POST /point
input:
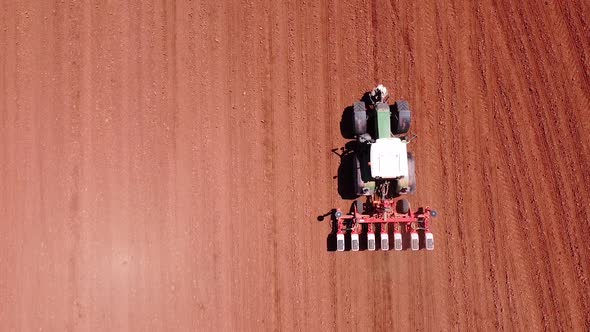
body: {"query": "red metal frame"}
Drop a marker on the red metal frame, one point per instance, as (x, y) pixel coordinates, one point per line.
(383, 213)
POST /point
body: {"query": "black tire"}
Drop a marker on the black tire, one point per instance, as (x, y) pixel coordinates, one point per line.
(360, 118)
(411, 174)
(402, 117)
(358, 182)
(360, 179)
(360, 208)
(402, 206)
(402, 105)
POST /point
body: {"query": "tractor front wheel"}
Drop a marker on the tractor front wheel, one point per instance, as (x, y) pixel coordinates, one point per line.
(360, 118)
(401, 117)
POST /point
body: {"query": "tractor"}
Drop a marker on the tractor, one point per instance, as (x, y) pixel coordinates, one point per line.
(384, 173)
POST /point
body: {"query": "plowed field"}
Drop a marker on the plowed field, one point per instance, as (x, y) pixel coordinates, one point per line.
(163, 164)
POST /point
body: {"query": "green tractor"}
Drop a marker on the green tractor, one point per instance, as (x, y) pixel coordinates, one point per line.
(381, 158)
(384, 173)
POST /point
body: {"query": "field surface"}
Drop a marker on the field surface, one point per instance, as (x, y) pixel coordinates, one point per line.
(163, 164)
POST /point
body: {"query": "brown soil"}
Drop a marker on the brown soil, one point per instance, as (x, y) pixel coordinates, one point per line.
(162, 165)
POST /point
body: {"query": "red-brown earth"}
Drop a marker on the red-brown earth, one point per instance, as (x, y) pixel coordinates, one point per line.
(163, 164)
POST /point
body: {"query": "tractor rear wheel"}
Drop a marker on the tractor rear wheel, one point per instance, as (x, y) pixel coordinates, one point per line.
(360, 118)
(402, 206)
(360, 207)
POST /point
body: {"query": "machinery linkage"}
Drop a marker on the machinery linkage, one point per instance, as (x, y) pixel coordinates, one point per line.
(382, 218)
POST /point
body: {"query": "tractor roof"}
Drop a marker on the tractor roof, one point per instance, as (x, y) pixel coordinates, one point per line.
(389, 158)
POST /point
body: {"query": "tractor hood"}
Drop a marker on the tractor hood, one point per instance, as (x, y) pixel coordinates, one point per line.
(389, 158)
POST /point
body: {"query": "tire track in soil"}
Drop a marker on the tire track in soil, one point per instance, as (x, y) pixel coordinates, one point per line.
(502, 175)
(572, 69)
(331, 62)
(249, 76)
(493, 174)
(11, 167)
(571, 237)
(512, 179)
(193, 144)
(453, 217)
(282, 152)
(270, 151)
(471, 98)
(64, 79)
(424, 103)
(316, 278)
(300, 28)
(536, 208)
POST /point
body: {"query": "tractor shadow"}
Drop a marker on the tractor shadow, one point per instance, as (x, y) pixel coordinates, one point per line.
(347, 123)
(346, 170)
